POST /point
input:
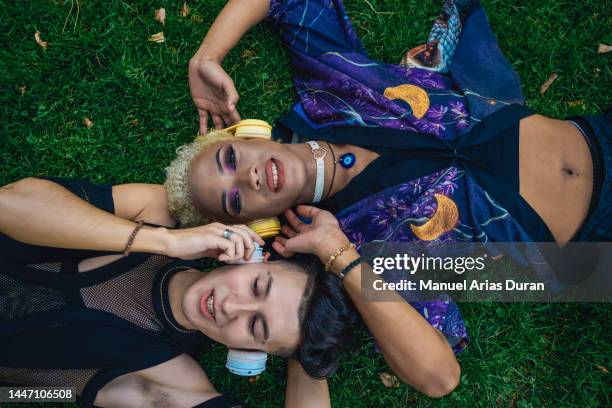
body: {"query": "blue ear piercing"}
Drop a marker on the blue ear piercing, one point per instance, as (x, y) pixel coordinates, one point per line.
(347, 160)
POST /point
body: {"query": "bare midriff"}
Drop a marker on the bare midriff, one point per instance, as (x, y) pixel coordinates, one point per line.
(556, 173)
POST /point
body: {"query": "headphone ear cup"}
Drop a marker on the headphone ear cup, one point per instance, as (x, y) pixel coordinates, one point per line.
(252, 129)
(246, 363)
(266, 227)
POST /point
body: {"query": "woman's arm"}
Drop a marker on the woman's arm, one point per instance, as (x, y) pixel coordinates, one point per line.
(212, 90)
(41, 212)
(417, 353)
(146, 202)
(303, 391)
(236, 18)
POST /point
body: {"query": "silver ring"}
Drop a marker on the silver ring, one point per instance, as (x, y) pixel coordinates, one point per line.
(227, 233)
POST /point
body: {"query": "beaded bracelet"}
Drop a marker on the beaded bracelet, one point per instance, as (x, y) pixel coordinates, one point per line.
(336, 254)
(128, 246)
(349, 268)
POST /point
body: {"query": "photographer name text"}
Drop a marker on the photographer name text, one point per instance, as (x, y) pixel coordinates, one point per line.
(474, 285)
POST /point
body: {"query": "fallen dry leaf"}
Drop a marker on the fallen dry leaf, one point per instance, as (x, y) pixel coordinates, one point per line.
(39, 40)
(134, 122)
(513, 400)
(158, 38)
(253, 379)
(87, 122)
(389, 380)
(548, 83)
(603, 48)
(160, 15)
(22, 89)
(247, 54)
(602, 369)
(197, 19)
(573, 104)
(185, 10)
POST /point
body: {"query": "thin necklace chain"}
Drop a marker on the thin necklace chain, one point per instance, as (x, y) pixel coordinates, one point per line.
(331, 184)
(161, 289)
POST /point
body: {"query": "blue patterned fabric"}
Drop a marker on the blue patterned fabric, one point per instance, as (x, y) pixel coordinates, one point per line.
(442, 89)
(340, 87)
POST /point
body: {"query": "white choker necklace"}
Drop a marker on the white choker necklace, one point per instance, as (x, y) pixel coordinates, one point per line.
(318, 154)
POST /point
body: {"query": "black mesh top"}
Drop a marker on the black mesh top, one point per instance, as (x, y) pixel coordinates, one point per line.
(81, 330)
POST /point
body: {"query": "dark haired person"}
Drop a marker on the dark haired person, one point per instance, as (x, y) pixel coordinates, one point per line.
(125, 330)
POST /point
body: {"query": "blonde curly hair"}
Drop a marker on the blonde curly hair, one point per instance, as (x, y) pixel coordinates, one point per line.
(178, 178)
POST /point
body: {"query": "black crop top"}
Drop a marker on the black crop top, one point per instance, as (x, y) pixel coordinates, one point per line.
(59, 327)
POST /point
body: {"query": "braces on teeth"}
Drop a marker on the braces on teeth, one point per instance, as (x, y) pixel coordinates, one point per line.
(209, 305)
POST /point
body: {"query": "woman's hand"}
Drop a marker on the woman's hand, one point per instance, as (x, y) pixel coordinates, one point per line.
(207, 240)
(322, 237)
(213, 92)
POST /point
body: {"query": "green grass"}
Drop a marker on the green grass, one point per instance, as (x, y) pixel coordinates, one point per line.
(101, 66)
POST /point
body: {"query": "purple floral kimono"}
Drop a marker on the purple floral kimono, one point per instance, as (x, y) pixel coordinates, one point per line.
(442, 89)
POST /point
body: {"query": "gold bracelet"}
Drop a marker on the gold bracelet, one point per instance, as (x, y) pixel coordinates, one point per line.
(128, 246)
(336, 254)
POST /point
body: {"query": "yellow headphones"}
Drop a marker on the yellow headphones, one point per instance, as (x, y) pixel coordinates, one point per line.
(266, 227)
(251, 129)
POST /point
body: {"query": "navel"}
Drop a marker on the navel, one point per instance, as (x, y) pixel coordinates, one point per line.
(569, 172)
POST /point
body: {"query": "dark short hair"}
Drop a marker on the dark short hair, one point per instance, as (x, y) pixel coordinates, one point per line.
(327, 320)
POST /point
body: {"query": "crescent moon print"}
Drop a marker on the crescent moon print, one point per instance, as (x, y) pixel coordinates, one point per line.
(444, 219)
(414, 96)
